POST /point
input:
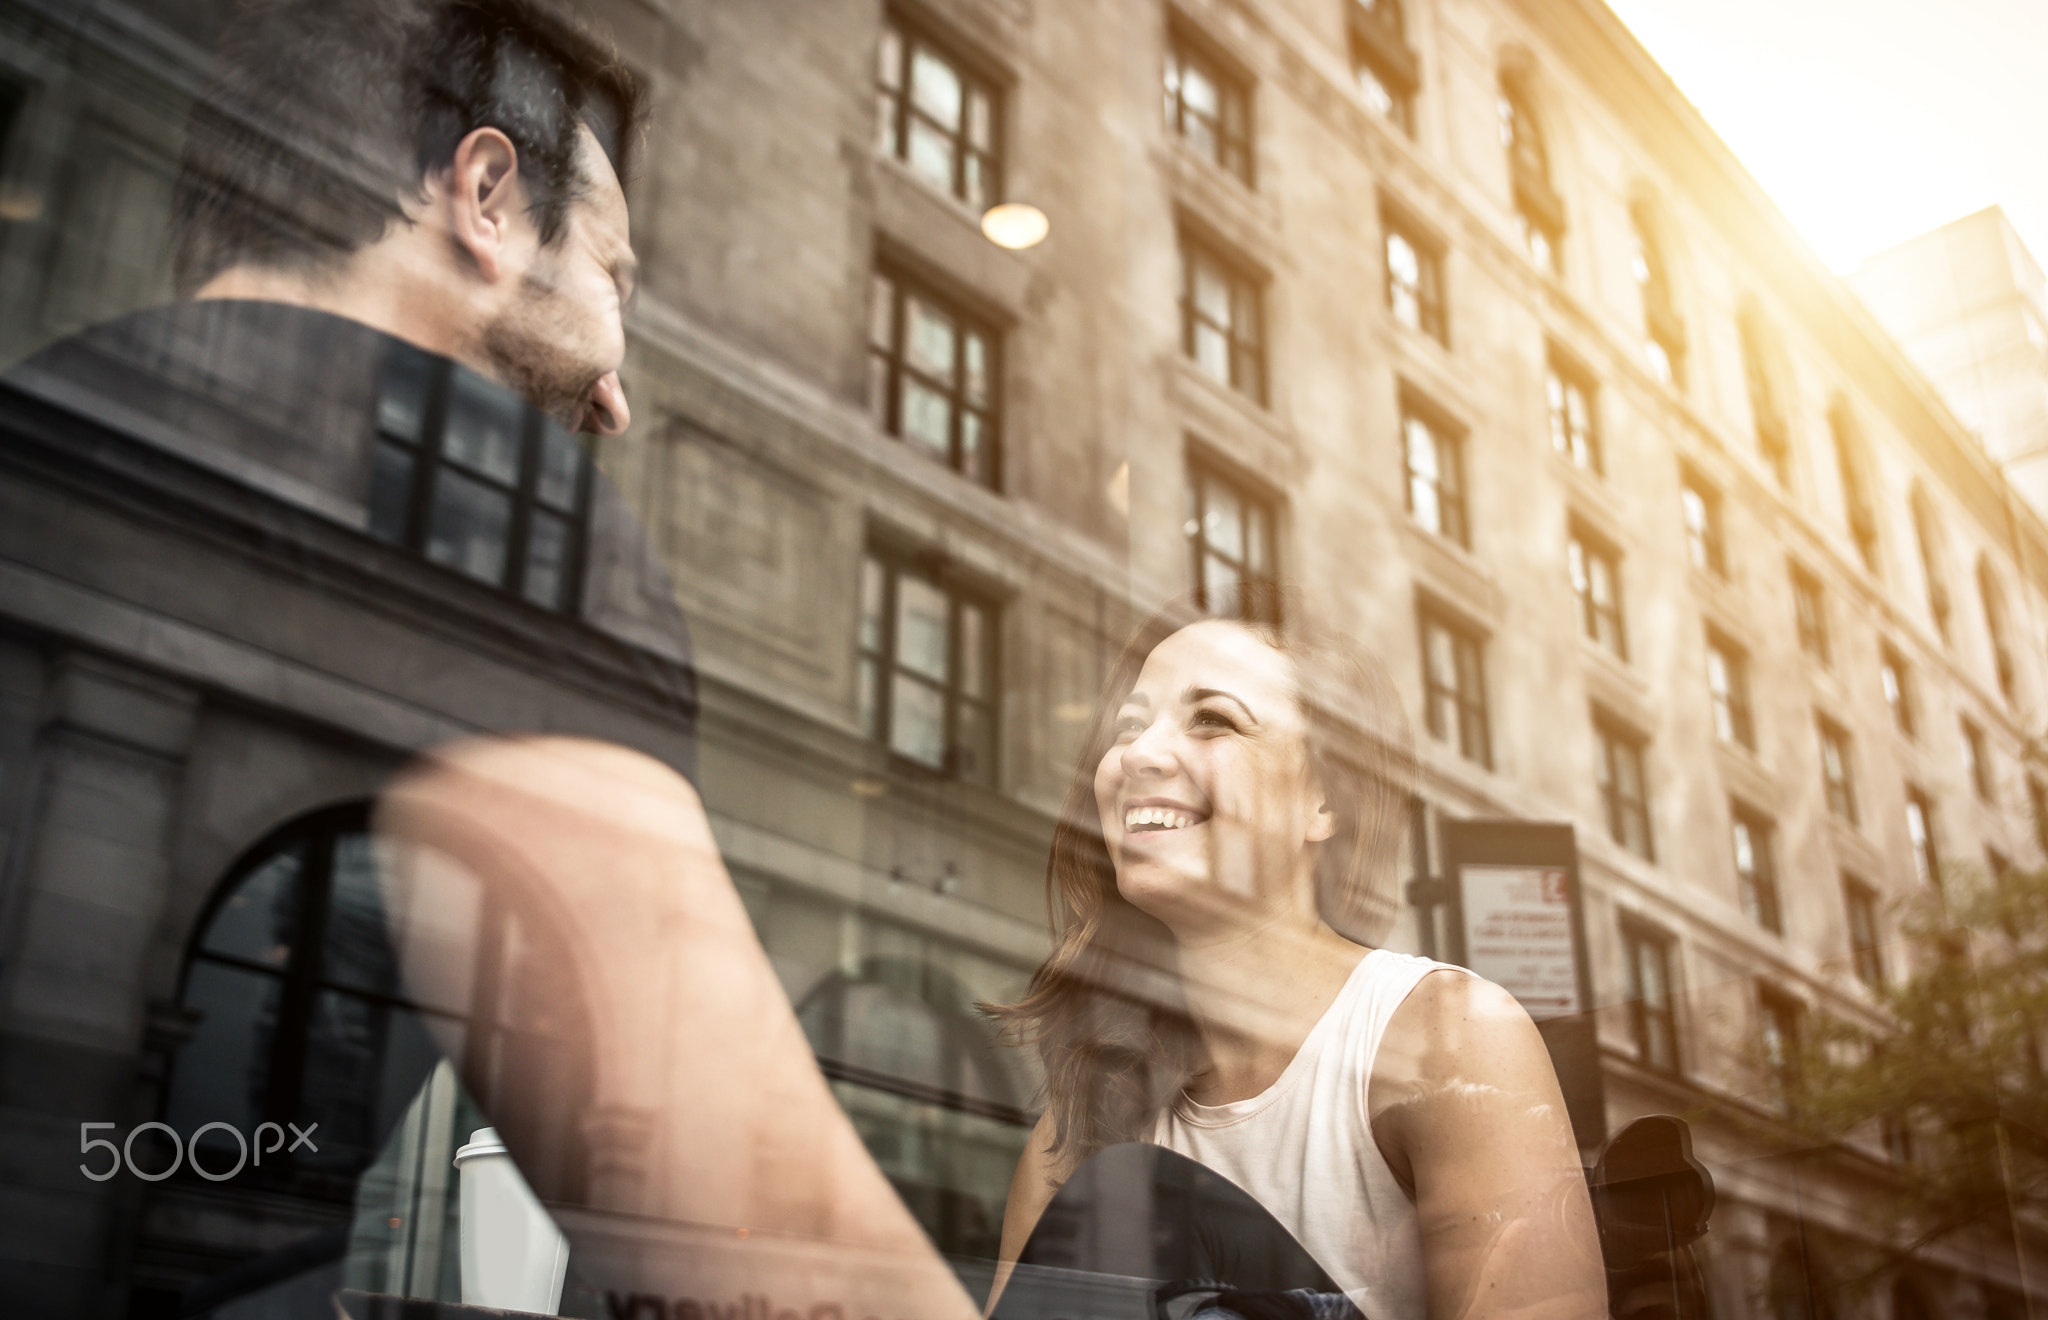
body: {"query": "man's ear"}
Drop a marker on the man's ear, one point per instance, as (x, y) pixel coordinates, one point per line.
(487, 201)
(1322, 826)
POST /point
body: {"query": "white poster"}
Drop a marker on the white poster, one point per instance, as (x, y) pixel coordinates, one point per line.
(1518, 934)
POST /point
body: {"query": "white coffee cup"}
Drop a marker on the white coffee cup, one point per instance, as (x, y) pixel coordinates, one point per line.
(513, 1256)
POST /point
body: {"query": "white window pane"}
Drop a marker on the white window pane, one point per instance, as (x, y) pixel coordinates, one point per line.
(934, 341)
(484, 425)
(931, 155)
(1223, 520)
(921, 628)
(935, 88)
(927, 417)
(469, 528)
(873, 588)
(1212, 352)
(917, 722)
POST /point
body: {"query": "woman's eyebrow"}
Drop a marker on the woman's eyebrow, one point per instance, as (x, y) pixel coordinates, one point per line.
(1193, 695)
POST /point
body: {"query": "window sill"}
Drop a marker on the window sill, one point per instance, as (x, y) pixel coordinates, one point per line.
(1246, 432)
(1453, 574)
(1747, 778)
(932, 231)
(1615, 686)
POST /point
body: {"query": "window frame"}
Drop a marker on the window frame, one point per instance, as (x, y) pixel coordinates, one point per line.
(1613, 741)
(1779, 1017)
(408, 504)
(1233, 154)
(1838, 780)
(1539, 213)
(1977, 760)
(1810, 613)
(1921, 843)
(1850, 471)
(891, 372)
(896, 109)
(1707, 540)
(1766, 408)
(1588, 557)
(1866, 953)
(1447, 442)
(1584, 448)
(1427, 296)
(1257, 598)
(1734, 701)
(1380, 52)
(1756, 886)
(1662, 327)
(1245, 291)
(1895, 681)
(878, 666)
(1642, 943)
(1465, 694)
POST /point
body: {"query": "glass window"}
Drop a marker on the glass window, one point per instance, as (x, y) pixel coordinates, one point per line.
(477, 480)
(1568, 397)
(1219, 317)
(1779, 1029)
(1927, 537)
(932, 373)
(1208, 109)
(1539, 218)
(1619, 764)
(1381, 62)
(1993, 600)
(926, 665)
(1898, 692)
(1663, 332)
(1809, 612)
(1436, 477)
(1920, 838)
(1454, 689)
(1230, 532)
(1701, 506)
(1835, 772)
(1977, 761)
(1773, 439)
(1651, 1009)
(1755, 880)
(936, 115)
(1414, 281)
(1728, 686)
(1849, 469)
(1864, 951)
(1596, 581)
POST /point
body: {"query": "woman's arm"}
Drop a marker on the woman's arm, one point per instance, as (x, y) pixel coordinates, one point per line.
(1032, 1187)
(1466, 1108)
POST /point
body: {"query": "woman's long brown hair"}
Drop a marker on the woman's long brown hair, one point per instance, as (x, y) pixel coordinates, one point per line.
(1106, 1010)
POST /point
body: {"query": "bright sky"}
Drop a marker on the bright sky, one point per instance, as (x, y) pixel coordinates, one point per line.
(1869, 121)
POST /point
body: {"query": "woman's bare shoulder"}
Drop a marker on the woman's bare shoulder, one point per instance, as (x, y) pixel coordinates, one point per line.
(1456, 1030)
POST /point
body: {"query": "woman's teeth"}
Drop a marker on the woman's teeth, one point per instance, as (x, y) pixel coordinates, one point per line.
(1156, 818)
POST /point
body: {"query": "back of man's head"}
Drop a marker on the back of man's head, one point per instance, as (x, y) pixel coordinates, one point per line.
(324, 117)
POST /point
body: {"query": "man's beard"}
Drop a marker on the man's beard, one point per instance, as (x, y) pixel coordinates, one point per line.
(522, 344)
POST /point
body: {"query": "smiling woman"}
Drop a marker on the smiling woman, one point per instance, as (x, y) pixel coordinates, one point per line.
(1222, 871)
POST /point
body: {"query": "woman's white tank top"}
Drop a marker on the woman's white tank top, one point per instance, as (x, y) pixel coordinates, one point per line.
(1304, 1148)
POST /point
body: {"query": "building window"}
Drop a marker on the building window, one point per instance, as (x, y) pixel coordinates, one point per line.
(1756, 883)
(1809, 612)
(1927, 537)
(1850, 468)
(2037, 803)
(1652, 1012)
(1920, 837)
(932, 371)
(1977, 761)
(936, 115)
(1596, 581)
(1619, 762)
(927, 669)
(1701, 506)
(1415, 280)
(1993, 599)
(1219, 319)
(1728, 686)
(1835, 774)
(303, 1016)
(1382, 63)
(1454, 686)
(1779, 1023)
(476, 479)
(1539, 214)
(1435, 457)
(1208, 108)
(1230, 533)
(1864, 952)
(1774, 440)
(1663, 332)
(1569, 396)
(1898, 690)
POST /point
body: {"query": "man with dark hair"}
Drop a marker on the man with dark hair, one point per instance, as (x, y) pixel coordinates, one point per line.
(447, 173)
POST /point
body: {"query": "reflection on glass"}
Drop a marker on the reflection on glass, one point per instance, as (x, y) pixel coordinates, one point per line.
(483, 429)
(222, 1073)
(471, 522)
(917, 723)
(259, 920)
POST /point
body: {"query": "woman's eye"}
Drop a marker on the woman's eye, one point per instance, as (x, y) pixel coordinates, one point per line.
(1210, 719)
(1130, 726)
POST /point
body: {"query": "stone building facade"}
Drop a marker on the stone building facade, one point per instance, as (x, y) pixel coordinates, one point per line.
(1451, 312)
